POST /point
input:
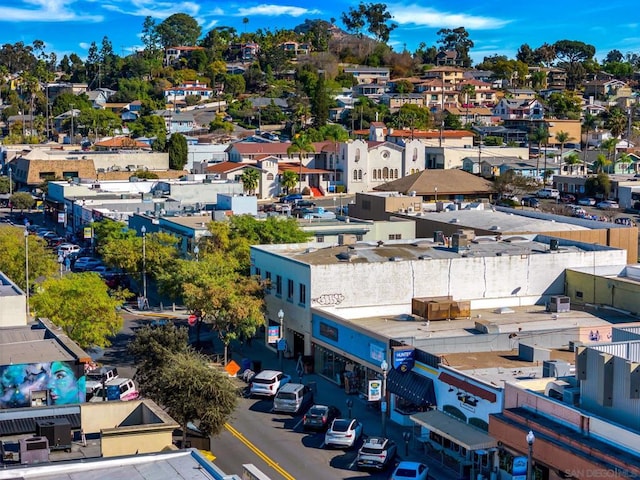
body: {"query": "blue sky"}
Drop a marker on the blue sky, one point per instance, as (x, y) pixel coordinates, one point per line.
(68, 26)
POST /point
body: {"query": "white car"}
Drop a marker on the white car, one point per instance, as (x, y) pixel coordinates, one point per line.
(267, 383)
(410, 471)
(607, 205)
(587, 201)
(343, 433)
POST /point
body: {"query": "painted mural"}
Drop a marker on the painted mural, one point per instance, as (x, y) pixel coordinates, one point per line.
(38, 384)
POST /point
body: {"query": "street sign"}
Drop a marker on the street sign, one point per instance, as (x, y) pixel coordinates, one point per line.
(273, 334)
(192, 319)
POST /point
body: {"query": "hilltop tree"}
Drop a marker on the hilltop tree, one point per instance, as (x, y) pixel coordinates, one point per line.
(320, 103)
(374, 16)
(457, 39)
(177, 30)
(573, 55)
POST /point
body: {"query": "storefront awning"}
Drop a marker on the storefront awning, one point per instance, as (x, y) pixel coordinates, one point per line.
(411, 386)
(458, 432)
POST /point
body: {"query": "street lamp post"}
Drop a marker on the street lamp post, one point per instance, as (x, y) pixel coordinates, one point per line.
(143, 230)
(531, 438)
(26, 267)
(280, 347)
(72, 115)
(384, 366)
(92, 237)
(10, 181)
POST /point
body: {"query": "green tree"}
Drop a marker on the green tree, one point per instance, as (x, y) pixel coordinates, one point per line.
(182, 381)
(566, 104)
(540, 136)
(250, 179)
(80, 304)
(589, 123)
(457, 39)
(571, 160)
(562, 138)
(178, 30)
(626, 160)
(572, 55)
(602, 163)
(289, 180)
(320, 103)
(514, 184)
(5, 184)
(598, 185)
(300, 145)
(452, 122)
(22, 201)
(616, 121)
(12, 261)
(178, 151)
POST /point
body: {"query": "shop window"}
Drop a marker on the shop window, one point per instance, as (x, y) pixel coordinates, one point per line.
(303, 294)
(267, 277)
(258, 273)
(278, 285)
(289, 289)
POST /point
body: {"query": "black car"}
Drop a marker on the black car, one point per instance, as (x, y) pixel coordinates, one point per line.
(304, 204)
(530, 202)
(319, 417)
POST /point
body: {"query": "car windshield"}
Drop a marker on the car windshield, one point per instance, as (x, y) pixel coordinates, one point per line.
(405, 472)
(317, 411)
(341, 425)
(372, 450)
(264, 381)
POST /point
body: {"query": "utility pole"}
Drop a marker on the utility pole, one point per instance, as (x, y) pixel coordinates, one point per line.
(441, 114)
(72, 115)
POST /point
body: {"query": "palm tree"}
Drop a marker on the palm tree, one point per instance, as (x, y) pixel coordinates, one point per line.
(250, 178)
(571, 160)
(562, 138)
(540, 135)
(609, 146)
(602, 163)
(300, 145)
(589, 123)
(467, 90)
(288, 180)
(625, 159)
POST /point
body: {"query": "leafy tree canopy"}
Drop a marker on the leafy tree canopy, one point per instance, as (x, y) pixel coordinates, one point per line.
(178, 151)
(12, 261)
(80, 304)
(178, 30)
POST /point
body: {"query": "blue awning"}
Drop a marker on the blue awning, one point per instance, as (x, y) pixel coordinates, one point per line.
(412, 387)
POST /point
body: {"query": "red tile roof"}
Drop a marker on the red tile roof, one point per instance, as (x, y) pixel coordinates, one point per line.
(122, 142)
(225, 167)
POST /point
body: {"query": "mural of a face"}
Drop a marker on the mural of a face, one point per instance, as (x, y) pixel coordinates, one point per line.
(64, 387)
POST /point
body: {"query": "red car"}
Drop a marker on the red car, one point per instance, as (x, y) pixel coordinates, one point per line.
(567, 198)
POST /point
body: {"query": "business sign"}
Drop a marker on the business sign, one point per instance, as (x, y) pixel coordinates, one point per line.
(88, 232)
(60, 217)
(273, 334)
(376, 353)
(403, 358)
(375, 390)
(519, 470)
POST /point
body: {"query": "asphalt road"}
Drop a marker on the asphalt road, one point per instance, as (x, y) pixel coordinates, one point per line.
(296, 454)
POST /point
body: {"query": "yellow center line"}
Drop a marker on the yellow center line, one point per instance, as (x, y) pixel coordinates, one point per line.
(258, 452)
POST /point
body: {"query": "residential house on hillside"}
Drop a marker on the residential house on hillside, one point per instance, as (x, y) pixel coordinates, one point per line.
(521, 93)
(100, 96)
(194, 89)
(449, 57)
(295, 48)
(369, 75)
(436, 94)
(508, 135)
(173, 54)
(606, 89)
(510, 109)
(483, 93)
(120, 143)
(396, 100)
(378, 132)
(446, 75)
(177, 122)
(472, 115)
(555, 78)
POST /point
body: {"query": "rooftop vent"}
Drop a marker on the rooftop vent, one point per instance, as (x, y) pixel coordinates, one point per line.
(395, 259)
(494, 227)
(503, 310)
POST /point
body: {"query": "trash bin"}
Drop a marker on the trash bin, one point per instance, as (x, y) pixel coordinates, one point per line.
(257, 366)
(245, 364)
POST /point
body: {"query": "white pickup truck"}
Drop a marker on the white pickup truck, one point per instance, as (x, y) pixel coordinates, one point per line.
(95, 377)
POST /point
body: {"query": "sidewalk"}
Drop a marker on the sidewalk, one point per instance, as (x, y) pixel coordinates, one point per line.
(331, 394)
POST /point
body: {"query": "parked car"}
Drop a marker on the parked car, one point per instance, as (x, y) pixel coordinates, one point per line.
(116, 389)
(548, 193)
(319, 417)
(376, 453)
(607, 205)
(65, 249)
(304, 204)
(292, 398)
(268, 382)
(291, 198)
(343, 433)
(577, 211)
(84, 264)
(410, 471)
(95, 378)
(530, 202)
(587, 201)
(567, 197)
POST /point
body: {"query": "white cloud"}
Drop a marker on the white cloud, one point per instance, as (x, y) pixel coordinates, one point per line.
(84, 45)
(146, 8)
(276, 11)
(45, 11)
(429, 17)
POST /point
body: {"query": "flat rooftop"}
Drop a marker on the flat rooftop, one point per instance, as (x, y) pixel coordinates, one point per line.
(177, 465)
(36, 351)
(423, 249)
